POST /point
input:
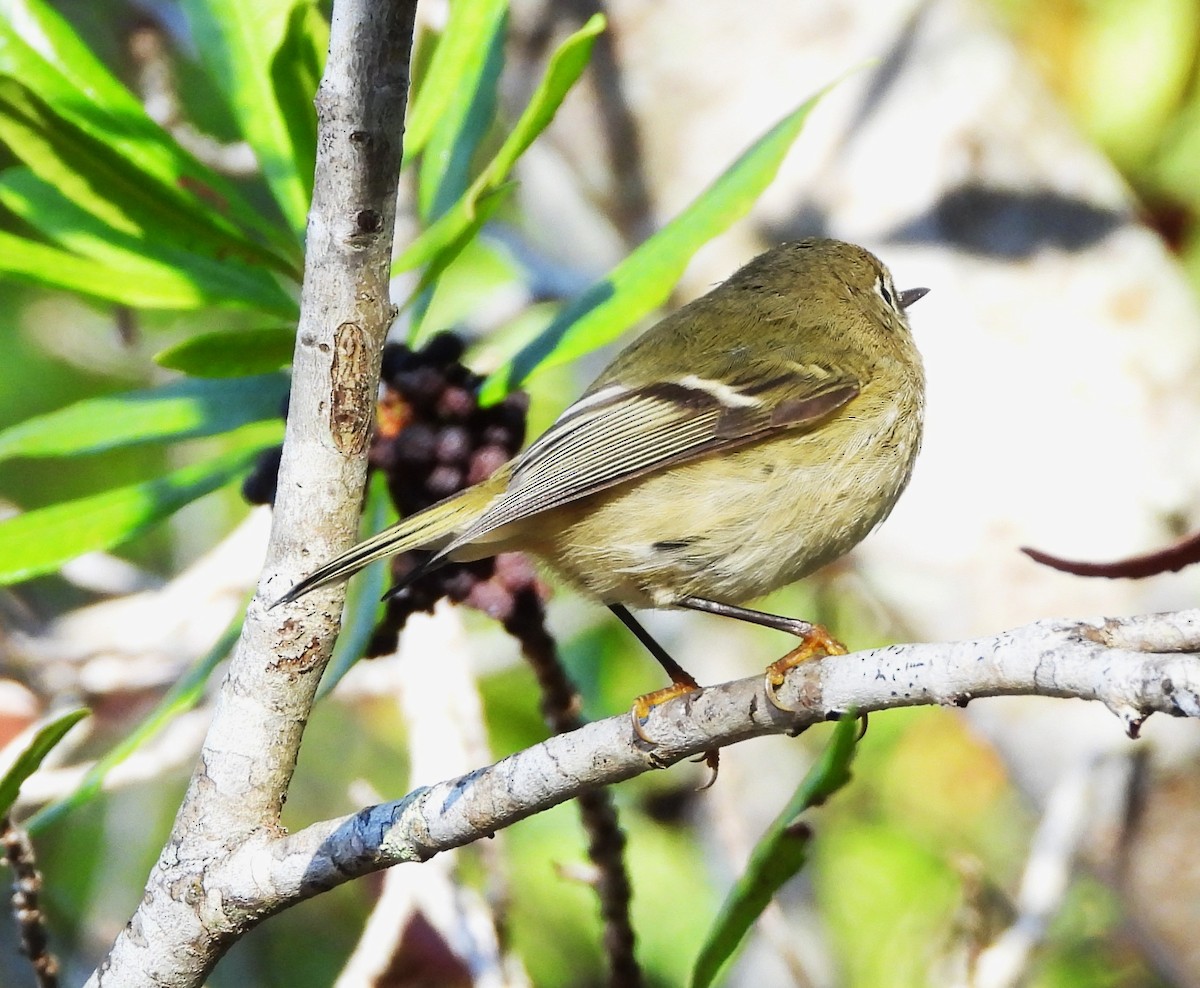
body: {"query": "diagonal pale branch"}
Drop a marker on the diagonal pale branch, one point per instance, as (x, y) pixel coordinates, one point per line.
(1136, 666)
(187, 919)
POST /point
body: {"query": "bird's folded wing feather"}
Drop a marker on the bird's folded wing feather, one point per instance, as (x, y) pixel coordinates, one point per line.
(616, 433)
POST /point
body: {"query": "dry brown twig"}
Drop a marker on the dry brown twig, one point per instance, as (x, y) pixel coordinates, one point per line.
(27, 887)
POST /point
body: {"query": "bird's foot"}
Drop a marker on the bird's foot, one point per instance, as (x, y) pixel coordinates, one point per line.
(814, 643)
(640, 713)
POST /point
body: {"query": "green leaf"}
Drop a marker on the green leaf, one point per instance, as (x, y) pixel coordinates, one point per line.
(64, 115)
(437, 243)
(186, 280)
(642, 282)
(41, 541)
(27, 762)
(295, 75)
(239, 43)
(445, 168)
(778, 856)
(470, 29)
(182, 697)
(449, 252)
(37, 264)
(180, 410)
(234, 353)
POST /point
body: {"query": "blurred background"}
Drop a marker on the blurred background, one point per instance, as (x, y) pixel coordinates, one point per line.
(1036, 165)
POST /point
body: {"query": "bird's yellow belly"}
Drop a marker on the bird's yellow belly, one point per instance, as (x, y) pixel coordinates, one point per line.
(729, 534)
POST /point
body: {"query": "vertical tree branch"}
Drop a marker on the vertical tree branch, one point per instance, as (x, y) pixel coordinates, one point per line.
(185, 921)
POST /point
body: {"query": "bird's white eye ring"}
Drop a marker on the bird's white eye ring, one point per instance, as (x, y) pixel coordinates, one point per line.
(885, 291)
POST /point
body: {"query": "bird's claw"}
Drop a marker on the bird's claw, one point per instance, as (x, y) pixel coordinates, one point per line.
(817, 643)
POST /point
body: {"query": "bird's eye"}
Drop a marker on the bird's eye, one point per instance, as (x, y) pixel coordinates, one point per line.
(885, 291)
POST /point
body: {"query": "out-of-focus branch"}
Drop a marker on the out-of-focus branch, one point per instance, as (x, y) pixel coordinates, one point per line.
(1136, 666)
(1056, 845)
(597, 809)
(188, 916)
(156, 82)
(433, 925)
(27, 888)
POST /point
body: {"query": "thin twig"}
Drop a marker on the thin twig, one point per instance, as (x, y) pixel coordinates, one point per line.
(27, 887)
(156, 84)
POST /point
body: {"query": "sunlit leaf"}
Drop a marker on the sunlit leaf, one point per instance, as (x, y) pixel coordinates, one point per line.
(777, 857)
(41, 541)
(180, 410)
(64, 115)
(641, 282)
(233, 353)
(33, 263)
(295, 74)
(238, 43)
(456, 224)
(466, 116)
(449, 251)
(470, 30)
(189, 280)
(26, 763)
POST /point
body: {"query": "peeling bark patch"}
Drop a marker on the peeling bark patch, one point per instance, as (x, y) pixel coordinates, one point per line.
(350, 413)
(308, 659)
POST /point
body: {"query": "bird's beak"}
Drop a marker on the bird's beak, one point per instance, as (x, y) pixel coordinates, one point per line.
(910, 295)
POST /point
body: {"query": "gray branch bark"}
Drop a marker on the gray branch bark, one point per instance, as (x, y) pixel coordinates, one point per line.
(188, 918)
(1135, 666)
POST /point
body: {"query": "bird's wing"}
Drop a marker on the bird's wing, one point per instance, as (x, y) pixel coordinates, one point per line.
(616, 433)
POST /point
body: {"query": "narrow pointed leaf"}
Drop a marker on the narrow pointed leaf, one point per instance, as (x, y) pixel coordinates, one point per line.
(32, 263)
(238, 44)
(195, 281)
(469, 31)
(563, 71)
(642, 282)
(295, 74)
(235, 353)
(445, 167)
(40, 745)
(777, 857)
(65, 116)
(185, 409)
(40, 541)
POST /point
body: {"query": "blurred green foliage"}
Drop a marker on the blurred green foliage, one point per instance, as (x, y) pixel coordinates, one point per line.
(1129, 74)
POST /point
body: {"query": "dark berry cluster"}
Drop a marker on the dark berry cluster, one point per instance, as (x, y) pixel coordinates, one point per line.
(432, 439)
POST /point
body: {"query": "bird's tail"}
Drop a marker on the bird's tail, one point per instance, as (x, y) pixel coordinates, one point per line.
(429, 528)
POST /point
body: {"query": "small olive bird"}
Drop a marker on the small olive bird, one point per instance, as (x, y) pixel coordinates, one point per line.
(749, 438)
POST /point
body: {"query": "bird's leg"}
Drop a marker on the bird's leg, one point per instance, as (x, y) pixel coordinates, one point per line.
(815, 641)
(681, 682)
